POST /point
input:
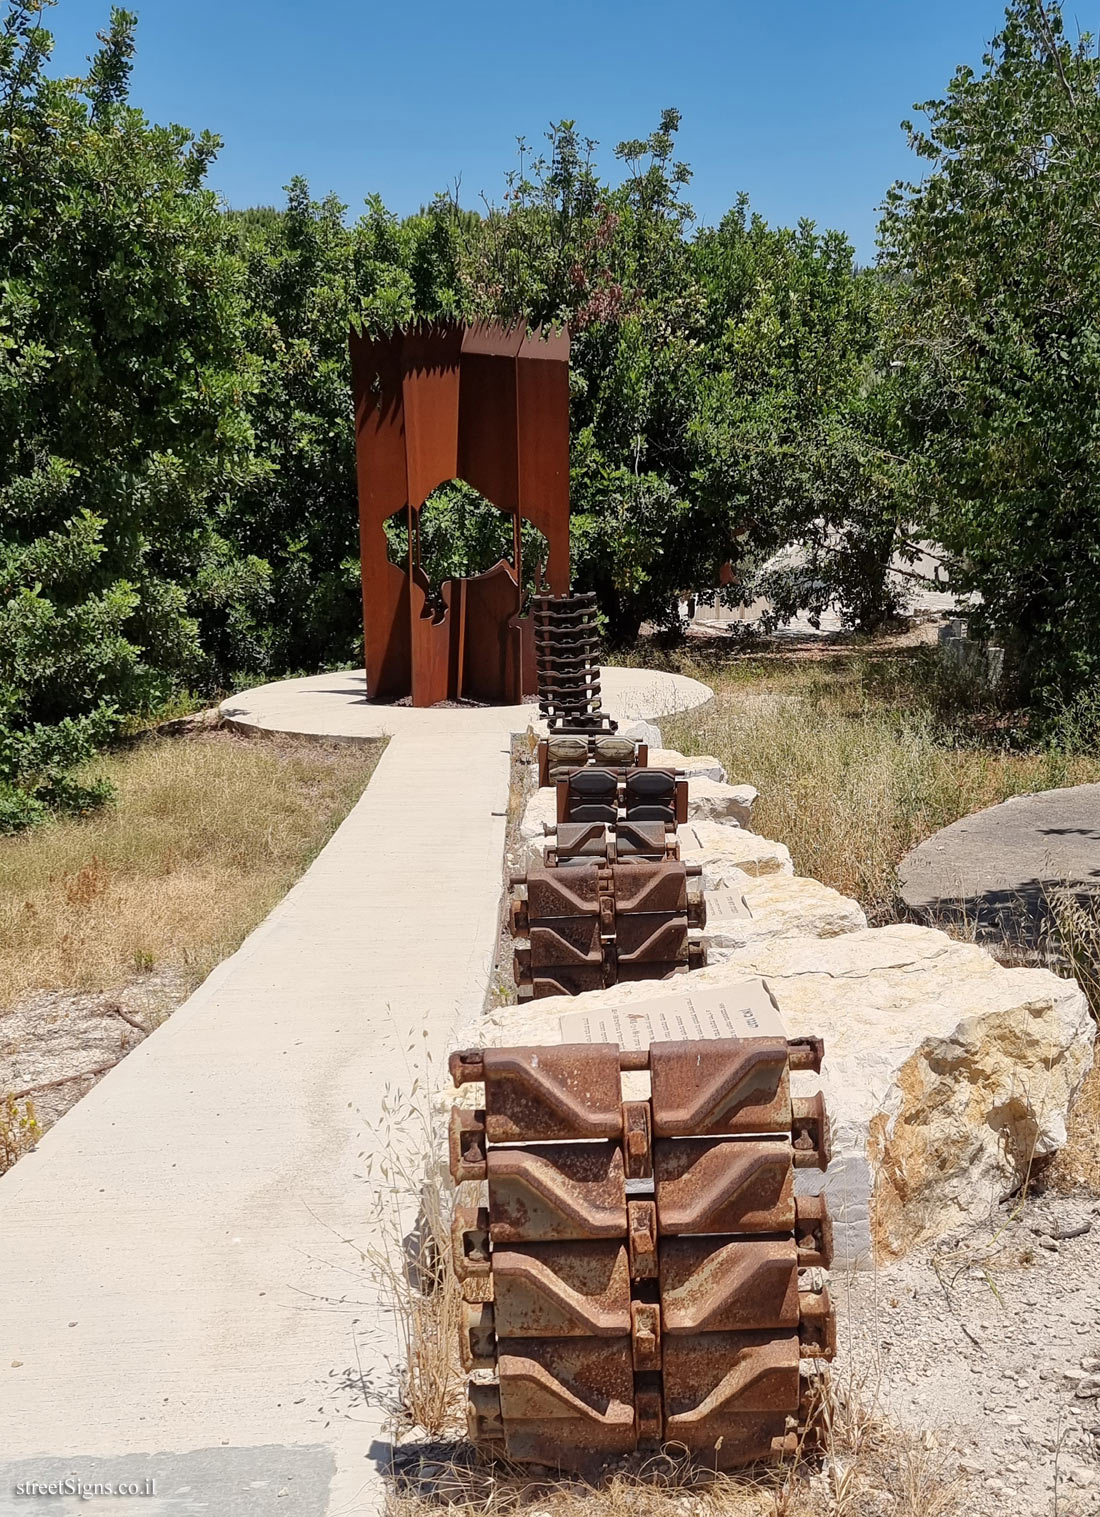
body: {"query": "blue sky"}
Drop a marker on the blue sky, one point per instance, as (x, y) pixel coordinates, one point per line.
(797, 103)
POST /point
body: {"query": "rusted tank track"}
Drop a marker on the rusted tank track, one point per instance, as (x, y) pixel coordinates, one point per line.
(567, 661)
(611, 900)
(585, 920)
(563, 752)
(644, 1272)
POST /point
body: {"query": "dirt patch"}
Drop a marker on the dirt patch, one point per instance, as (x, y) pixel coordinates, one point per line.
(986, 1347)
(1077, 1164)
(55, 1044)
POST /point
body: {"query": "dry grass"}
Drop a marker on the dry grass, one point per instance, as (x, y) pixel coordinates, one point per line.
(207, 834)
(413, 1202)
(1075, 941)
(852, 764)
(892, 1475)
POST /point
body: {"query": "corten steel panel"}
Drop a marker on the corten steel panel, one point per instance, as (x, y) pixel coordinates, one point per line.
(731, 1185)
(715, 1382)
(432, 404)
(561, 1290)
(430, 396)
(556, 1192)
(539, 1095)
(490, 657)
(527, 658)
(542, 415)
(430, 641)
(565, 1399)
(489, 440)
(382, 479)
(728, 1085)
(715, 1285)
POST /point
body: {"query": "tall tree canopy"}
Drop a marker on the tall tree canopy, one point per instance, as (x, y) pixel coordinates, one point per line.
(997, 251)
(123, 409)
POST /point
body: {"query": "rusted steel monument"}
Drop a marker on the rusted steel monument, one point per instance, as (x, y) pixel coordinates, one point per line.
(488, 405)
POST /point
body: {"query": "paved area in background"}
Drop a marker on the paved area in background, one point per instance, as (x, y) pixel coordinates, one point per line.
(182, 1298)
(997, 868)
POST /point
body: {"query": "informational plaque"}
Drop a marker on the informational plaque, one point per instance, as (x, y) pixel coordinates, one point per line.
(744, 1010)
(726, 903)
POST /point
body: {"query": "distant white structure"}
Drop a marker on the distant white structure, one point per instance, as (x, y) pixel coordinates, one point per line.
(919, 599)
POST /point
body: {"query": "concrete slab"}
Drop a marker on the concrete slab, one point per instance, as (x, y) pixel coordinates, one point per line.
(182, 1294)
(336, 706)
(997, 869)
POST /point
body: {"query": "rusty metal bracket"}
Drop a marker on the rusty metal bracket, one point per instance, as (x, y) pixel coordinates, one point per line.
(645, 1334)
(642, 1239)
(466, 1144)
(470, 1242)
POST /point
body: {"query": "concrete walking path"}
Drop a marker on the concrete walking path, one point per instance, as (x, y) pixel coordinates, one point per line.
(178, 1303)
(336, 705)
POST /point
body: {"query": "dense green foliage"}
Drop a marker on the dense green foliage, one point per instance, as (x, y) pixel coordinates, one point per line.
(177, 488)
(123, 412)
(999, 249)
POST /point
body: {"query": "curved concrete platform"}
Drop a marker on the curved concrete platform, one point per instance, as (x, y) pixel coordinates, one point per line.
(336, 706)
(997, 869)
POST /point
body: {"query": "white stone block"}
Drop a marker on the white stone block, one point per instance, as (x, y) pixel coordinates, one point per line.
(704, 764)
(778, 905)
(711, 801)
(726, 852)
(945, 1076)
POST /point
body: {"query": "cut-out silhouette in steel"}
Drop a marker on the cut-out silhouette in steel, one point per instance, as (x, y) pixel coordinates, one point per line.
(488, 405)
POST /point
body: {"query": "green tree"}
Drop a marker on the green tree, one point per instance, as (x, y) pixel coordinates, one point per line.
(728, 395)
(123, 423)
(613, 262)
(308, 275)
(998, 252)
(797, 416)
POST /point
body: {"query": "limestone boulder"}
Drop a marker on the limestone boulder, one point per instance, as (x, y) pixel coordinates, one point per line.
(704, 764)
(540, 812)
(946, 1075)
(641, 732)
(712, 801)
(728, 852)
(776, 905)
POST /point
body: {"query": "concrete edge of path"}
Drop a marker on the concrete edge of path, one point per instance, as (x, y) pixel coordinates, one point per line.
(334, 707)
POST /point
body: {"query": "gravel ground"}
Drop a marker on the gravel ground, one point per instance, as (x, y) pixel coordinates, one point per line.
(58, 1043)
(990, 1344)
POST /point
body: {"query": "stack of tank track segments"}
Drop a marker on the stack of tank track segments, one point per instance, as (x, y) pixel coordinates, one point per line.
(611, 900)
(567, 660)
(641, 1274)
